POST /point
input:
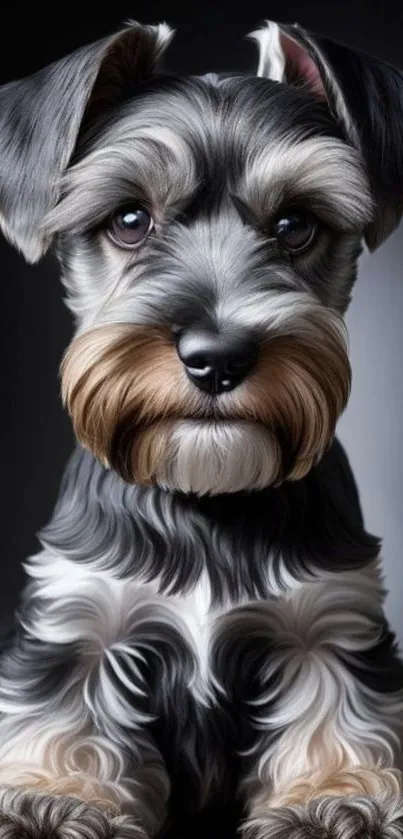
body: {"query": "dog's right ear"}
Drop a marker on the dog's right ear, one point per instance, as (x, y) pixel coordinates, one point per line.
(41, 116)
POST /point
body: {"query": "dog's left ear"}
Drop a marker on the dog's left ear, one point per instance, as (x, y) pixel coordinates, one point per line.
(41, 117)
(364, 94)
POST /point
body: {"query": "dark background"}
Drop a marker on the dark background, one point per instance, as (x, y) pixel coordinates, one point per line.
(35, 328)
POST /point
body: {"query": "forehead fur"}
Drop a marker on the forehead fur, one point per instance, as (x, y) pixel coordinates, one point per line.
(267, 142)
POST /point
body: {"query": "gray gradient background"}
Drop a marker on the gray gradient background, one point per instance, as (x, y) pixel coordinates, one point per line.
(371, 428)
(36, 437)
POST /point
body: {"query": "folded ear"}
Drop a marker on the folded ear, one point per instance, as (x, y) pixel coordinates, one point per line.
(364, 94)
(41, 116)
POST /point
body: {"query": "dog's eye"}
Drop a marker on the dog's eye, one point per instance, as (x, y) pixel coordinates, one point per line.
(295, 230)
(130, 225)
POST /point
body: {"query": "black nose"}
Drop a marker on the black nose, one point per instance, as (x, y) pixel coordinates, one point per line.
(214, 362)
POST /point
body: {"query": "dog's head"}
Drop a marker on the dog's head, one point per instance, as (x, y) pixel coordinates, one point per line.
(208, 231)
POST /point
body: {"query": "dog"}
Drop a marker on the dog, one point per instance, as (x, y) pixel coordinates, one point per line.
(204, 623)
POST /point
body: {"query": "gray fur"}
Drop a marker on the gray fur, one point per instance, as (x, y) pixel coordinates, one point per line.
(26, 815)
(163, 634)
(41, 118)
(363, 92)
(195, 262)
(354, 817)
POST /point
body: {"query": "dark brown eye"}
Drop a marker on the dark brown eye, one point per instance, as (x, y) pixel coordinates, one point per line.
(295, 230)
(130, 225)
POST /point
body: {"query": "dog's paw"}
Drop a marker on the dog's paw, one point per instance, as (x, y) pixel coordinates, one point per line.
(330, 817)
(31, 815)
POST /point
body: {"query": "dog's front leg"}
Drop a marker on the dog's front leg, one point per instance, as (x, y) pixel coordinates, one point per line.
(75, 755)
(326, 715)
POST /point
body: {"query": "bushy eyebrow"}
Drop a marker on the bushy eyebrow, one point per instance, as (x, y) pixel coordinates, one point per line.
(321, 173)
(157, 167)
(156, 170)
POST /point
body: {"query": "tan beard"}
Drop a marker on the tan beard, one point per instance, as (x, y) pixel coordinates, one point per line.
(132, 405)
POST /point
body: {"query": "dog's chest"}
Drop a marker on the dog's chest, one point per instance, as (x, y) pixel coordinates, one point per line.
(204, 618)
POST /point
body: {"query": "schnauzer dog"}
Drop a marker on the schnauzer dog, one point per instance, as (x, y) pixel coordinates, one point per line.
(204, 622)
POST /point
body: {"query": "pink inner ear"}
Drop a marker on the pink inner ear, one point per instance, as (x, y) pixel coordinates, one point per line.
(303, 64)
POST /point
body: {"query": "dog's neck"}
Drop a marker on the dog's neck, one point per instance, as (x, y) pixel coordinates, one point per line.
(299, 528)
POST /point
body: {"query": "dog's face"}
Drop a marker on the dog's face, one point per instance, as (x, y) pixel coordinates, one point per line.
(210, 234)
(208, 231)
